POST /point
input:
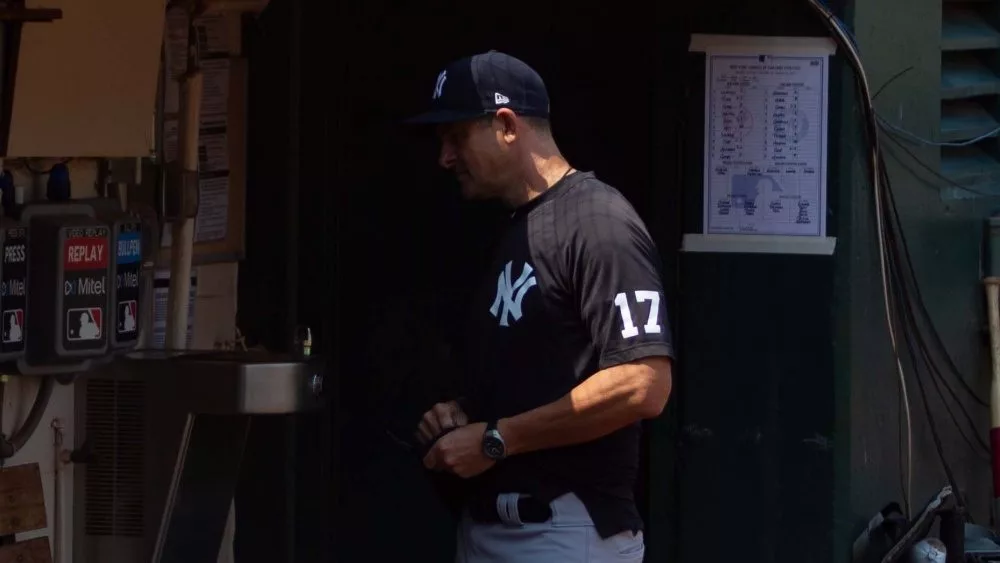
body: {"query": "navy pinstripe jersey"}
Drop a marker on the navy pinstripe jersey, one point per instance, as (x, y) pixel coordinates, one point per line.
(575, 288)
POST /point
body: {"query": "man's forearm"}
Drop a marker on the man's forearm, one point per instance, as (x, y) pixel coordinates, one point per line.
(606, 401)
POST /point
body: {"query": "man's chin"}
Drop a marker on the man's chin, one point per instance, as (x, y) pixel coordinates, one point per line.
(470, 191)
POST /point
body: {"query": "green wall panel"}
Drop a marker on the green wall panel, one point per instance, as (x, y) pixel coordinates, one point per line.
(945, 240)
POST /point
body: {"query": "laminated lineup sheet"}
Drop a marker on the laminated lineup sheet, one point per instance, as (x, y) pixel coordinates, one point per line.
(765, 137)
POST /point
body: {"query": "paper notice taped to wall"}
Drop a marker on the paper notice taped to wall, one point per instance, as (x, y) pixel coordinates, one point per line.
(161, 310)
(211, 34)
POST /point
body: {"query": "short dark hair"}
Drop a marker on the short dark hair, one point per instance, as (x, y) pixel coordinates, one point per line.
(540, 124)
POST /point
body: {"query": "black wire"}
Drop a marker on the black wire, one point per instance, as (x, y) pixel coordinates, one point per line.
(911, 332)
(896, 137)
(903, 265)
(908, 329)
(983, 452)
(937, 377)
(919, 300)
(874, 170)
(911, 324)
(933, 426)
(938, 380)
(892, 298)
(894, 78)
(879, 172)
(936, 374)
(893, 136)
(898, 134)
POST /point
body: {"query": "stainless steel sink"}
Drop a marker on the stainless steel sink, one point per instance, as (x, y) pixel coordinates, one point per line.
(197, 409)
(223, 382)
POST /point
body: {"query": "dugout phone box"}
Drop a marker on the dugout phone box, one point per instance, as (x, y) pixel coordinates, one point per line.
(13, 289)
(124, 289)
(127, 233)
(71, 268)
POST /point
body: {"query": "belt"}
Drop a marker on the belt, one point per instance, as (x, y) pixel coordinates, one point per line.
(498, 510)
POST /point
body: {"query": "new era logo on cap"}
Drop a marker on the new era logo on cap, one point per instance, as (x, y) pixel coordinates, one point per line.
(476, 86)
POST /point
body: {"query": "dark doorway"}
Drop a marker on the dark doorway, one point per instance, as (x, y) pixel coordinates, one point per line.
(389, 251)
(417, 244)
(412, 240)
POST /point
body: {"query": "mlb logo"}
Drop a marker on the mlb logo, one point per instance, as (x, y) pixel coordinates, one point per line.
(127, 317)
(84, 324)
(13, 326)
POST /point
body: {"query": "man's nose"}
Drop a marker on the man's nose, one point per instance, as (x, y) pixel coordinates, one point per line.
(447, 157)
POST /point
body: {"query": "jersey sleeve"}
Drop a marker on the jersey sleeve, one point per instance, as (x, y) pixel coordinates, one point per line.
(615, 272)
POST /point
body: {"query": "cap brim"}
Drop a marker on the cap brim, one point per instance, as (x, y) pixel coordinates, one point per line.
(439, 117)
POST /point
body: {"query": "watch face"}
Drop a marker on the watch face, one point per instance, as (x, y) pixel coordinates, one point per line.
(493, 446)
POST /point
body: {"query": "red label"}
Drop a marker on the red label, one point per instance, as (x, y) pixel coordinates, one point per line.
(86, 253)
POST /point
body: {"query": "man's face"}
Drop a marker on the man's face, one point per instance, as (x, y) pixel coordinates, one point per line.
(478, 154)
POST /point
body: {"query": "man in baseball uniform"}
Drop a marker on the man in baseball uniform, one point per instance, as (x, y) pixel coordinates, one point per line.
(568, 337)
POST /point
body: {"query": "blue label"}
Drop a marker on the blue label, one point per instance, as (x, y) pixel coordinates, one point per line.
(129, 248)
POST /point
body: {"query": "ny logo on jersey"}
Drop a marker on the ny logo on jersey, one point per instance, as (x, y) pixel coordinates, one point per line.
(506, 296)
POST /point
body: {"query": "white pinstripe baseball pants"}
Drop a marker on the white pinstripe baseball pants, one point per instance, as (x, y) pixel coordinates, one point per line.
(568, 537)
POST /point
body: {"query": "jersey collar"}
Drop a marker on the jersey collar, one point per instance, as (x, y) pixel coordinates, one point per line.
(550, 193)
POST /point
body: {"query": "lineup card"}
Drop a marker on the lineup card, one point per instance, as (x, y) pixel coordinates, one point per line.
(765, 143)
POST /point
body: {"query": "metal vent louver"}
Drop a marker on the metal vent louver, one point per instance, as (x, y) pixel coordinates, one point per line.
(970, 94)
(115, 425)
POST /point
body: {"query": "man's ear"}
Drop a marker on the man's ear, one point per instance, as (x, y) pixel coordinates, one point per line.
(509, 124)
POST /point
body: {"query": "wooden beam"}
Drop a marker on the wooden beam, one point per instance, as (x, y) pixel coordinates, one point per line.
(15, 15)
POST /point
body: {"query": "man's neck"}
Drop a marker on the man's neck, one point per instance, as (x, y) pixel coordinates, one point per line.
(545, 173)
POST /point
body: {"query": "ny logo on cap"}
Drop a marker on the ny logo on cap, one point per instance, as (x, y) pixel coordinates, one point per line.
(440, 84)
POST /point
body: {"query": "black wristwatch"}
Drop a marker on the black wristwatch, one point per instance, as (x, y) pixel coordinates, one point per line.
(493, 444)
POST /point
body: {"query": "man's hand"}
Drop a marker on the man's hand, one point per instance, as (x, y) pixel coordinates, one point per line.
(441, 417)
(460, 452)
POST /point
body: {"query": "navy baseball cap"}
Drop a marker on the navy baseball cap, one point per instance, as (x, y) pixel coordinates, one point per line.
(479, 85)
